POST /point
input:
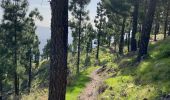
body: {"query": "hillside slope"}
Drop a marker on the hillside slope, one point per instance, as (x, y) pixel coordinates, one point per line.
(124, 78)
(148, 80)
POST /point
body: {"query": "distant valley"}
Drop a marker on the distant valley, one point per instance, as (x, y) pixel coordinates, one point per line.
(44, 34)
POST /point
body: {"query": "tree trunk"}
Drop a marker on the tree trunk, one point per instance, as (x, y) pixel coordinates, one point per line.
(109, 43)
(121, 44)
(58, 53)
(129, 40)
(79, 40)
(16, 78)
(169, 31)
(30, 70)
(146, 29)
(155, 37)
(87, 48)
(115, 46)
(140, 32)
(98, 45)
(87, 52)
(1, 89)
(135, 24)
(156, 31)
(91, 46)
(166, 21)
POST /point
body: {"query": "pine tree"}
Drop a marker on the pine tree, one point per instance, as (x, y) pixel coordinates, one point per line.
(88, 41)
(80, 15)
(100, 22)
(146, 29)
(135, 24)
(121, 8)
(166, 14)
(31, 40)
(13, 23)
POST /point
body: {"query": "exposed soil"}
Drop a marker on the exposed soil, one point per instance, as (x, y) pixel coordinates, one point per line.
(91, 90)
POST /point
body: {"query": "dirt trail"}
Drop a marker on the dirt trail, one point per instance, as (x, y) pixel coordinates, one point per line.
(91, 92)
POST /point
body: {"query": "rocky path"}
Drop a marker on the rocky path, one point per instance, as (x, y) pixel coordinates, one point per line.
(91, 90)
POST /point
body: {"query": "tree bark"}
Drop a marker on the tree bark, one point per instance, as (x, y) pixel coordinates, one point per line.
(91, 46)
(156, 31)
(166, 20)
(98, 45)
(121, 44)
(169, 31)
(30, 70)
(87, 52)
(16, 78)
(146, 29)
(135, 24)
(79, 40)
(129, 40)
(109, 41)
(58, 53)
(115, 44)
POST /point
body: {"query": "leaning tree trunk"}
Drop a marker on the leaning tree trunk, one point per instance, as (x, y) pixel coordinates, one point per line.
(146, 29)
(135, 24)
(121, 44)
(58, 53)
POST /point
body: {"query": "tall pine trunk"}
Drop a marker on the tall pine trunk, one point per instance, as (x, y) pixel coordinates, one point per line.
(87, 52)
(169, 31)
(115, 46)
(98, 45)
(30, 70)
(79, 40)
(87, 48)
(58, 53)
(109, 41)
(156, 31)
(135, 24)
(16, 78)
(121, 44)
(129, 40)
(91, 46)
(166, 20)
(146, 29)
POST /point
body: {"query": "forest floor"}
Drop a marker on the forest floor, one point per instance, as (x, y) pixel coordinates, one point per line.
(96, 86)
(90, 92)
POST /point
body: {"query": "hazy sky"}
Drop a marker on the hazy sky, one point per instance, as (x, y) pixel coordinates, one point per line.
(44, 8)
